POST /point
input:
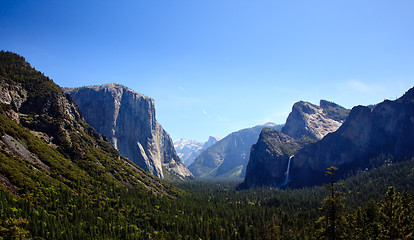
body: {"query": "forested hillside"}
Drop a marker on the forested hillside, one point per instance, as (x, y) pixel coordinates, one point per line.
(57, 171)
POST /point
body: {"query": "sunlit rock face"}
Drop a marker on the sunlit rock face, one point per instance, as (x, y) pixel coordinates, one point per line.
(314, 121)
(128, 120)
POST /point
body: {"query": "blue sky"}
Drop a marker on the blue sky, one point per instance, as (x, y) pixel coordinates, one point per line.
(214, 67)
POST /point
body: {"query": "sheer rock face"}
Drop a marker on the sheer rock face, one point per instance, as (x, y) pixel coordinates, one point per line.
(127, 119)
(314, 121)
(268, 157)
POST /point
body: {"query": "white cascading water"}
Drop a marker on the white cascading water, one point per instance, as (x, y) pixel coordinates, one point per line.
(287, 173)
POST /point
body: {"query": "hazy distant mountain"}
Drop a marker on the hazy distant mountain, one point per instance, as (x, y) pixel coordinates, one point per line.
(127, 119)
(188, 150)
(228, 157)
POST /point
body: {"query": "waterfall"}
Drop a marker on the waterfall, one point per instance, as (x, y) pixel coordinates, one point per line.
(287, 173)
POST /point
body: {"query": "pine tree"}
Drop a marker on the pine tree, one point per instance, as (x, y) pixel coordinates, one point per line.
(13, 228)
(406, 217)
(396, 216)
(272, 230)
(330, 224)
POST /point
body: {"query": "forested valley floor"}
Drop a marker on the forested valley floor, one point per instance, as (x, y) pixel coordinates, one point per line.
(364, 206)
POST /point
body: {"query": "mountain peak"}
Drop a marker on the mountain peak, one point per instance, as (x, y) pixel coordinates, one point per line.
(408, 96)
(211, 140)
(307, 119)
(188, 150)
(114, 88)
(269, 124)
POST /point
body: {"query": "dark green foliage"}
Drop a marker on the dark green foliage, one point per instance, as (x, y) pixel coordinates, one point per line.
(391, 218)
(15, 70)
(331, 223)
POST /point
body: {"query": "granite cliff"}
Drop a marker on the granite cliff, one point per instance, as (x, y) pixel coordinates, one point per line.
(128, 120)
(306, 124)
(268, 157)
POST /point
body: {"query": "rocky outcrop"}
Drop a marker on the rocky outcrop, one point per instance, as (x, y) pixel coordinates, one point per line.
(12, 95)
(188, 150)
(33, 108)
(128, 120)
(228, 158)
(308, 120)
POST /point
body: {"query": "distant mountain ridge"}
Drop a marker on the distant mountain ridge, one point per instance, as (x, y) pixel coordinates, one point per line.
(188, 150)
(228, 157)
(127, 119)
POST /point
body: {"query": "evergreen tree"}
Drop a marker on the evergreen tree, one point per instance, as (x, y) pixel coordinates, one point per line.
(272, 231)
(406, 217)
(13, 228)
(330, 224)
(396, 217)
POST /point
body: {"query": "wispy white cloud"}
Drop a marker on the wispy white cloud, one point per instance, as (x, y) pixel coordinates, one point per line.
(360, 86)
(223, 118)
(182, 89)
(206, 114)
(278, 117)
(183, 102)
